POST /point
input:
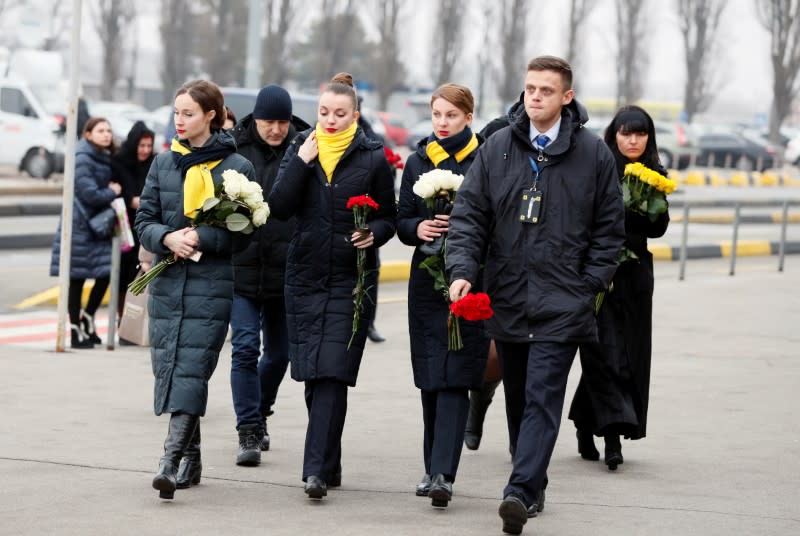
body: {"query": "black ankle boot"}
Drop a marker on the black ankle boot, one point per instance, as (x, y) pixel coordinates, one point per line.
(87, 323)
(78, 338)
(191, 467)
(613, 452)
(586, 447)
(479, 402)
(181, 430)
(249, 453)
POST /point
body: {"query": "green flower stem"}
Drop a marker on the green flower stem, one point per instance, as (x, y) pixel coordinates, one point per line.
(138, 285)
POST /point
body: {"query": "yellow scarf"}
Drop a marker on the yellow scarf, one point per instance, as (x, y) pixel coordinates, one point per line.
(199, 185)
(332, 147)
(437, 154)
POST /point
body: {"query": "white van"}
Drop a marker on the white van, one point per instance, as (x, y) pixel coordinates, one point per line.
(30, 138)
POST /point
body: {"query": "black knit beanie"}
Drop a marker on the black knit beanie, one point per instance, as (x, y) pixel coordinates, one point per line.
(273, 102)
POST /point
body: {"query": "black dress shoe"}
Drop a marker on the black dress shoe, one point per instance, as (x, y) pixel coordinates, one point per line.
(424, 486)
(514, 514)
(586, 447)
(441, 491)
(538, 506)
(373, 334)
(315, 487)
(336, 480)
(613, 452)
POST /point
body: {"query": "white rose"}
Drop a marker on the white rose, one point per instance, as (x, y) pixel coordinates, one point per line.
(424, 188)
(232, 183)
(260, 214)
(252, 193)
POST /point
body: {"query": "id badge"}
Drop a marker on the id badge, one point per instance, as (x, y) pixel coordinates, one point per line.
(530, 206)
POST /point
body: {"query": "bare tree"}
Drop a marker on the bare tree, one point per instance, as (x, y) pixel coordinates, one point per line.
(334, 40)
(631, 55)
(484, 56)
(579, 11)
(222, 40)
(177, 44)
(512, 46)
(280, 15)
(111, 21)
(699, 23)
(387, 69)
(782, 19)
(447, 39)
(59, 19)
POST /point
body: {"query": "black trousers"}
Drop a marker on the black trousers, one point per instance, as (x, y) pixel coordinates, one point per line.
(535, 383)
(326, 400)
(444, 414)
(76, 293)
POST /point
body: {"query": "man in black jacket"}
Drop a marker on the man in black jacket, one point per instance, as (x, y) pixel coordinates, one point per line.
(543, 201)
(258, 305)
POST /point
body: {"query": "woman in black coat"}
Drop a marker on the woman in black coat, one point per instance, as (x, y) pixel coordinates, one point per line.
(91, 256)
(613, 393)
(444, 377)
(189, 302)
(320, 171)
(133, 162)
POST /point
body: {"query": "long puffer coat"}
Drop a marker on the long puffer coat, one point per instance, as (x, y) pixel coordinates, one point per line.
(434, 366)
(91, 257)
(190, 302)
(321, 265)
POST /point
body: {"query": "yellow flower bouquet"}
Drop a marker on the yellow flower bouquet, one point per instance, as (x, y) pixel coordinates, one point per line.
(645, 191)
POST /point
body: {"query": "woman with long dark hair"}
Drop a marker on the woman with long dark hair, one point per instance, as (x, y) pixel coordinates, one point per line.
(321, 170)
(613, 393)
(190, 302)
(443, 376)
(95, 189)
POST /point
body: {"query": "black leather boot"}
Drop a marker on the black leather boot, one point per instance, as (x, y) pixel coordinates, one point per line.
(265, 437)
(249, 453)
(191, 467)
(478, 405)
(181, 430)
(613, 452)
(78, 338)
(87, 323)
(441, 491)
(586, 447)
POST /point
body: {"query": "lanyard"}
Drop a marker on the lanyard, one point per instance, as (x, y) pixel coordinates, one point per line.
(535, 168)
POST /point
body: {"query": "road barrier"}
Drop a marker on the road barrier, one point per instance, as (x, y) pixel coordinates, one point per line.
(723, 177)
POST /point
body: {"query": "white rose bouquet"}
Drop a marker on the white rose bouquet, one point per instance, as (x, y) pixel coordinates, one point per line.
(238, 205)
(437, 188)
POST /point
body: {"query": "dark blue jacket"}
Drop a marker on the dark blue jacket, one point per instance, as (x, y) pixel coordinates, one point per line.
(90, 258)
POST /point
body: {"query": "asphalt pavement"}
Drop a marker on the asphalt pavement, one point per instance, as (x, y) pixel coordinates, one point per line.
(80, 443)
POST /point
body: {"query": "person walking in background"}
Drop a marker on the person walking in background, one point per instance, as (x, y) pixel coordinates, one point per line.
(230, 119)
(322, 169)
(258, 316)
(613, 393)
(133, 162)
(95, 189)
(542, 204)
(189, 303)
(443, 376)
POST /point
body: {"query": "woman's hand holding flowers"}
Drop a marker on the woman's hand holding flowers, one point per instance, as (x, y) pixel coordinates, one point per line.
(361, 240)
(309, 150)
(182, 242)
(428, 230)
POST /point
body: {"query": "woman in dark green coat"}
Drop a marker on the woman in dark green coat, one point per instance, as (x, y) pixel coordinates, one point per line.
(190, 302)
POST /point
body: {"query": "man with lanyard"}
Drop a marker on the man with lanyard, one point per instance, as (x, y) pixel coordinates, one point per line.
(542, 199)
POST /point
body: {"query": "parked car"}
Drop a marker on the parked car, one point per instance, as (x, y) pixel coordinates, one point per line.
(396, 130)
(32, 138)
(122, 116)
(719, 148)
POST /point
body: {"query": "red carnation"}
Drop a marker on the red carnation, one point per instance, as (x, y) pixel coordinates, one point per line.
(394, 159)
(362, 201)
(473, 307)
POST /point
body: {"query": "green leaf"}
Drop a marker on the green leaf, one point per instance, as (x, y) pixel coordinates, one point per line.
(210, 203)
(626, 194)
(658, 204)
(236, 222)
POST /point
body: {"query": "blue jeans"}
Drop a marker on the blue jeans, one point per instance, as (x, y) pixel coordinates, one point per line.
(254, 381)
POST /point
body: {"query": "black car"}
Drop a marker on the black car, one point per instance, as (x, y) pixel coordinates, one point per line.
(734, 150)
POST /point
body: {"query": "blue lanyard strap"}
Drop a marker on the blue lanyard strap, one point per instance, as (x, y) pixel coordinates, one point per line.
(535, 168)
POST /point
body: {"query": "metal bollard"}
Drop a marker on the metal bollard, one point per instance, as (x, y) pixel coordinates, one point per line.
(684, 240)
(735, 240)
(782, 243)
(113, 288)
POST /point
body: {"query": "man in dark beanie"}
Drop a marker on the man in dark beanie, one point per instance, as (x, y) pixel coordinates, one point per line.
(258, 305)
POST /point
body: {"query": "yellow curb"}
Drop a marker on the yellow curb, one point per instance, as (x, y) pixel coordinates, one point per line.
(739, 179)
(50, 297)
(661, 252)
(394, 271)
(752, 248)
(695, 178)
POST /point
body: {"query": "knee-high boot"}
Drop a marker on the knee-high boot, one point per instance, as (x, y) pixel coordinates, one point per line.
(191, 467)
(181, 430)
(478, 405)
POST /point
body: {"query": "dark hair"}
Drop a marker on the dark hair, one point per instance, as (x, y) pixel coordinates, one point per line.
(342, 84)
(229, 114)
(209, 97)
(630, 119)
(553, 63)
(458, 96)
(89, 126)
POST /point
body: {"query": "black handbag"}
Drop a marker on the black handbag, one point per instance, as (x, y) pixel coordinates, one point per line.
(101, 225)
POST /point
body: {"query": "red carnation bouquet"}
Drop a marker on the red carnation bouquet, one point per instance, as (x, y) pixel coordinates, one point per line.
(361, 205)
(394, 158)
(472, 307)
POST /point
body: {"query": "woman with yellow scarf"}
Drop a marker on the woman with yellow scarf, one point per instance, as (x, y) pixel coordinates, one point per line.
(322, 169)
(189, 304)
